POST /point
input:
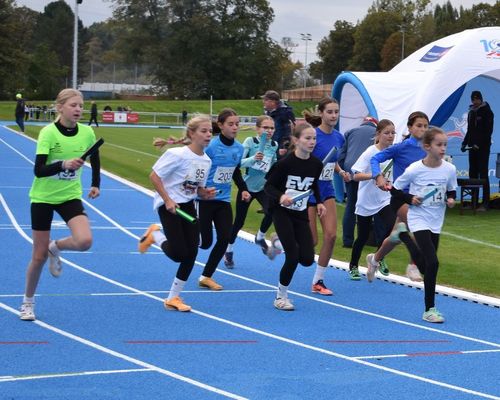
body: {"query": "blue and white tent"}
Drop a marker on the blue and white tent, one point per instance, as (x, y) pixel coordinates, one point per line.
(436, 79)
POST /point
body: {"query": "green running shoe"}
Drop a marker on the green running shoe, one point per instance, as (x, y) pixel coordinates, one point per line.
(383, 269)
(354, 274)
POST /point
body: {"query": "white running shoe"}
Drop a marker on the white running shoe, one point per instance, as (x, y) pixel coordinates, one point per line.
(372, 267)
(413, 273)
(55, 265)
(27, 312)
(283, 304)
(275, 248)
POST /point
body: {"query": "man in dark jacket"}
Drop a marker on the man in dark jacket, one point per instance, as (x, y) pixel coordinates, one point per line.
(478, 141)
(19, 113)
(284, 119)
(93, 113)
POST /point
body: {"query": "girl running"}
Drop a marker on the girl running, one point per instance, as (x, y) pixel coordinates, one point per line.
(225, 152)
(57, 187)
(402, 155)
(372, 203)
(257, 159)
(293, 175)
(326, 138)
(432, 184)
(178, 176)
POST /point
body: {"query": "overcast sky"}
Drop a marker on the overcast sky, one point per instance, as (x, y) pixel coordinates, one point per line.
(292, 17)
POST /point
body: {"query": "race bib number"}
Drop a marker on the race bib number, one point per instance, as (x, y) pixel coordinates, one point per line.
(299, 205)
(223, 174)
(263, 165)
(196, 175)
(66, 175)
(327, 173)
(433, 195)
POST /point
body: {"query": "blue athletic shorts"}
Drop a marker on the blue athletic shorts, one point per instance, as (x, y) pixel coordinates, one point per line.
(326, 192)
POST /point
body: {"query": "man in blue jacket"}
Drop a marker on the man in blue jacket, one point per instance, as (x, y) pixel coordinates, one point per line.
(284, 119)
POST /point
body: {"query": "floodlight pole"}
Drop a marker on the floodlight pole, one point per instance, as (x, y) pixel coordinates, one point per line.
(306, 37)
(75, 47)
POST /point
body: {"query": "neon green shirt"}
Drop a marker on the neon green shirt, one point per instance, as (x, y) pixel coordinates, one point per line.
(66, 185)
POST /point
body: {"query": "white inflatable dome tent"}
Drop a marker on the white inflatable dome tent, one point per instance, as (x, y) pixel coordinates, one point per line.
(437, 79)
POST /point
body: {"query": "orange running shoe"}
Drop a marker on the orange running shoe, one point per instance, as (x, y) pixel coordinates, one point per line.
(209, 283)
(176, 303)
(147, 239)
(320, 288)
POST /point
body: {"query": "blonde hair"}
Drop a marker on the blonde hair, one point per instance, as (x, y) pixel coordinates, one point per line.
(193, 124)
(63, 96)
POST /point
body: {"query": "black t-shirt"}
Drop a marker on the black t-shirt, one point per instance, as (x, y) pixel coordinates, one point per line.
(293, 173)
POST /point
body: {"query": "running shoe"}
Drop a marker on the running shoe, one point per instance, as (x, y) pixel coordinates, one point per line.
(176, 303)
(383, 268)
(283, 304)
(433, 315)
(55, 265)
(209, 283)
(27, 312)
(413, 273)
(147, 239)
(354, 274)
(372, 267)
(320, 288)
(275, 248)
(228, 260)
(262, 243)
(400, 228)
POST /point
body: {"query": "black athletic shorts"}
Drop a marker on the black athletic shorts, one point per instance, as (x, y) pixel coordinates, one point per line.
(43, 213)
(396, 203)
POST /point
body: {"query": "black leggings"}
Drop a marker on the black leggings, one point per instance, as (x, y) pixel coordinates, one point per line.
(297, 241)
(242, 210)
(182, 238)
(220, 213)
(428, 263)
(385, 217)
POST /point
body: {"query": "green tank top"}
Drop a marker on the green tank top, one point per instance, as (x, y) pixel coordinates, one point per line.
(66, 185)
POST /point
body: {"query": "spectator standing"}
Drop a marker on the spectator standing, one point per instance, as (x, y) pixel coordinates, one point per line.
(478, 140)
(19, 113)
(284, 119)
(357, 140)
(93, 114)
(184, 117)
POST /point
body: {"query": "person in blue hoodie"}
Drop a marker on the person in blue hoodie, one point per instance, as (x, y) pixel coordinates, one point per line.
(478, 141)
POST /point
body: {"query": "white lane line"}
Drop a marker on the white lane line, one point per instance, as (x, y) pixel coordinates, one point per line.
(428, 354)
(133, 150)
(14, 378)
(270, 335)
(128, 358)
(111, 294)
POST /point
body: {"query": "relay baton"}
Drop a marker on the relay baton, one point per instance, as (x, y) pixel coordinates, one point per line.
(185, 215)
(301, 196)
(329, 155)
(387, 168)
(263, 140)
(430, 194)
(92, 149)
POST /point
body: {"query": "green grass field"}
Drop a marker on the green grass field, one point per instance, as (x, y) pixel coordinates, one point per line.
(471, 265)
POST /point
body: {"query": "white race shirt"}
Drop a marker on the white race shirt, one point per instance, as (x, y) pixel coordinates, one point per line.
(181, 172)
(423, 180)
(371, 199)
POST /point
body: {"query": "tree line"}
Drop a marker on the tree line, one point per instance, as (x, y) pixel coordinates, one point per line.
(197, 48)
